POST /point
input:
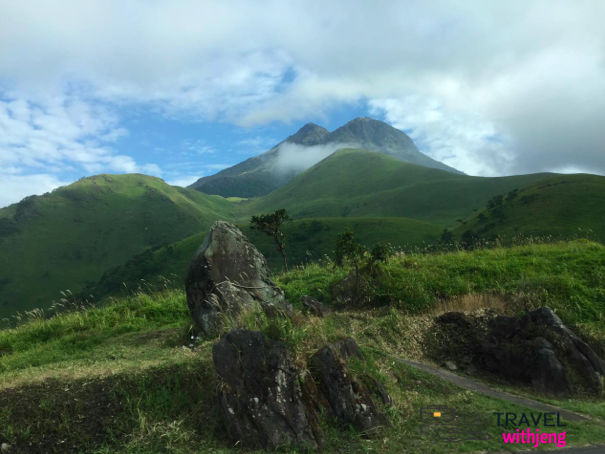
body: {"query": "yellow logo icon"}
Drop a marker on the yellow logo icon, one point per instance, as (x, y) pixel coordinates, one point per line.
(437, 414)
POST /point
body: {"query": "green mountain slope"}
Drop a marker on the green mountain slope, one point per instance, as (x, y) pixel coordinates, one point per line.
(307, 240)
(65, 238)
(560, 206)
(261, 174)
(361, 183)
(120, 379)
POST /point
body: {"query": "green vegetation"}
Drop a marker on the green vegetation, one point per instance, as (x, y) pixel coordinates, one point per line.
(308, 240)
(71, 236)
(361, 183)
(271, 224)
(104, 232)
(118, 379)
(568, 277)
(561, 206)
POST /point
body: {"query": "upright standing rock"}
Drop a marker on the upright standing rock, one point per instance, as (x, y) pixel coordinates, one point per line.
(260, 400)
(226, 274)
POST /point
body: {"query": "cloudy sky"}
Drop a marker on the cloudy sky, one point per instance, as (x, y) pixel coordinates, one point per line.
(183, 88)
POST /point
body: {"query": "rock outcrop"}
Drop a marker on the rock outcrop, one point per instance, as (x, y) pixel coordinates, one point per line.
(260, 400)
(538, 349)
(349, 399)
(313, 306)
(226, 274)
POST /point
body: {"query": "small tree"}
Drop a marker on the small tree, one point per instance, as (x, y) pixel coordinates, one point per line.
(447, 237)
(349, 249)
(271, 225)
(380, 253)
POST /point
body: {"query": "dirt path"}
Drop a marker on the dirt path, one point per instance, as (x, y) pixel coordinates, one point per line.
(481, 388)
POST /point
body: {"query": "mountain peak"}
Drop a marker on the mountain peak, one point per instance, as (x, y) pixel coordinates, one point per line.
(373, 133)
(309, 134)
(367, 122)
(364, 119)
(257, 176)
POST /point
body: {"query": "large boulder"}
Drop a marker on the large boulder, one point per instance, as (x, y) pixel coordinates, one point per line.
(539, 350)
(226, 274)
(260, 398)
(348, 397)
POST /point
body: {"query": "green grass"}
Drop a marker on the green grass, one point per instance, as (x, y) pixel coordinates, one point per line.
(361, 183)
(307, 240)
(567, 276)
(142, 393)
(561, 206)
(68, 239)
(65, 238)
(73, 335)
(116, 379)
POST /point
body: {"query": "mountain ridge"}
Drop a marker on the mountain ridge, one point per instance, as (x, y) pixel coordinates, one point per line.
(258, 175)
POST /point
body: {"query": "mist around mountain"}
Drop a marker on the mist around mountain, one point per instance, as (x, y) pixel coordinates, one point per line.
(262, 174)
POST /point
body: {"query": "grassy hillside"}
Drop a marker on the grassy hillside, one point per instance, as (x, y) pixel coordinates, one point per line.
(307, 240)
(361, 183)
(65, 238)
(569, 277)
(559, 206)
(119, 379)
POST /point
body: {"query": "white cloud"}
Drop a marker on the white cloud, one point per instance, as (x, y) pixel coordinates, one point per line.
(183, 181)
(15, 187)
(460, 140)
(40, 141)
(495, 87)
(292, 157)
(114, 135)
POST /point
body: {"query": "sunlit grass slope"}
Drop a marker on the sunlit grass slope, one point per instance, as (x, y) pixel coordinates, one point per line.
(559, 206)
(65, 238)
(361, 183)
(118, 379)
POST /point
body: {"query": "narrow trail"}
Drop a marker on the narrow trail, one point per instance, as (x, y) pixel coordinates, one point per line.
(485, 390)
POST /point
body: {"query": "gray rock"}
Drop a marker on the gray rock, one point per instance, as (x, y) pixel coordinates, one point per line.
(379, 390)
(547, 374)
(260, 399)
(226, 274)
(349, 399)
(5, 447)
(314, 306)
(533, 348)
